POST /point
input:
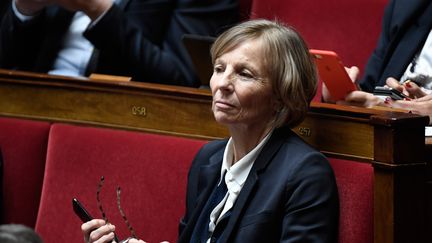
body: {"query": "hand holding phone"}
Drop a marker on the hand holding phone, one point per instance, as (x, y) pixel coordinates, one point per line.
(82, 213)
(385, 92)
(332, 72)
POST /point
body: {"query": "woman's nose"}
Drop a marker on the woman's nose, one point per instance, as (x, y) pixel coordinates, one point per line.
(226, 81)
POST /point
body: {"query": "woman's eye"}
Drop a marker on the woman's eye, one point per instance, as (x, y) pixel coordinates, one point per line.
(246, 75)
(217, 69)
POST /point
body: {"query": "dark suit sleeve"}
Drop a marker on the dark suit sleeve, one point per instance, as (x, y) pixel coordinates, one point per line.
(20, 41)
(195, 187)
(192, 188)
(375, 65)
(311, 208)
(144, 40)
(33, 45)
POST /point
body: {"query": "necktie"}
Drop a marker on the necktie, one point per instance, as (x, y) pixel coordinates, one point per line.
(201, 231)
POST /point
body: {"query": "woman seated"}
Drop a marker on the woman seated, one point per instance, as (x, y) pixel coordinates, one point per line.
(264, 183)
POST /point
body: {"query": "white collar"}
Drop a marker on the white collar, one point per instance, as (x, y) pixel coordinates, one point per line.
(240, 170)
(235, 177)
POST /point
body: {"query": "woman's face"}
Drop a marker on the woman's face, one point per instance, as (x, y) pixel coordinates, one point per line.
(242, 91)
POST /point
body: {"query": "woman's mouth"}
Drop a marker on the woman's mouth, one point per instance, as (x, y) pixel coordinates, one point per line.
(223, 105)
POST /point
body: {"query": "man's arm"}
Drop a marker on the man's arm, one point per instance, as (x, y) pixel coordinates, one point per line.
(144, 40)
(20, 40)
(376, 63)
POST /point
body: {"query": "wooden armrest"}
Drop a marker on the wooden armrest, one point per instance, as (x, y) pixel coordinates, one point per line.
(105, 77)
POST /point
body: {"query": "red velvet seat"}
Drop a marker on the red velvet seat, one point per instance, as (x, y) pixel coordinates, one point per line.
(23, 144)
(350, 28)
(150, 169)
(355, 186)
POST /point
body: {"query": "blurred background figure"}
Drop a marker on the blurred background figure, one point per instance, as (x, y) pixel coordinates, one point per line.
(401, 60)
(135, 38)
(16, 233)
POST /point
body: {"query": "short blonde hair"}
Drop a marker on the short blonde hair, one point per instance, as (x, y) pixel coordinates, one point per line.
(289, 65)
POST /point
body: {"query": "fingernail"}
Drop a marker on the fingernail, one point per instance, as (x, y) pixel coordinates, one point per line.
(388, 101)
(408, 84)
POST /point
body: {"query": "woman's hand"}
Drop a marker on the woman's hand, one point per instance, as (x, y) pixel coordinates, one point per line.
(409, 88)
(355, 98)
(361, 98)
(135, 241)
(98, 231)
(421, 106)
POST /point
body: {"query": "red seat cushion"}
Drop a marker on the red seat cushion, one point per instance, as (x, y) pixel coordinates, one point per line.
(23, 144)
(355, 186)
(150, 169)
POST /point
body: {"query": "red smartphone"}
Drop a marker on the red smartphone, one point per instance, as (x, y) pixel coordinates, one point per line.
(332, 72)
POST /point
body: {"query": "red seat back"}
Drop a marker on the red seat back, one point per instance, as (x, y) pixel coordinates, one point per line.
(150, 169)
(350, 28)
(355, 186)
(23, 144)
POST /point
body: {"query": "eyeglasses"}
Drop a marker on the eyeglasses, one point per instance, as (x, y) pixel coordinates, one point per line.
(99, 203)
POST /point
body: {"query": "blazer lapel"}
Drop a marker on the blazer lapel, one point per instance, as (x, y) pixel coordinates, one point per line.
(414, 28)
(122, 4)
(261, 162)
(94, 58)
(208, 177)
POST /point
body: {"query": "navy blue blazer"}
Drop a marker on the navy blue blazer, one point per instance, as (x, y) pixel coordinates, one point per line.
(406, 25)
(137, 38)
(290, 194)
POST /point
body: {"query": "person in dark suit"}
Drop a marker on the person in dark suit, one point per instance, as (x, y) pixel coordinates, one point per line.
(406, 26)
(401, 60)
(264, 183)
(136, 38)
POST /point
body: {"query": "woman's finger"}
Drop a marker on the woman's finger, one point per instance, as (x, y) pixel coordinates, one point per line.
(100, 232)
(353, 73)
(106, 238)
(89, 226)
(413, 89)
(394, 83)
(424, 98)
